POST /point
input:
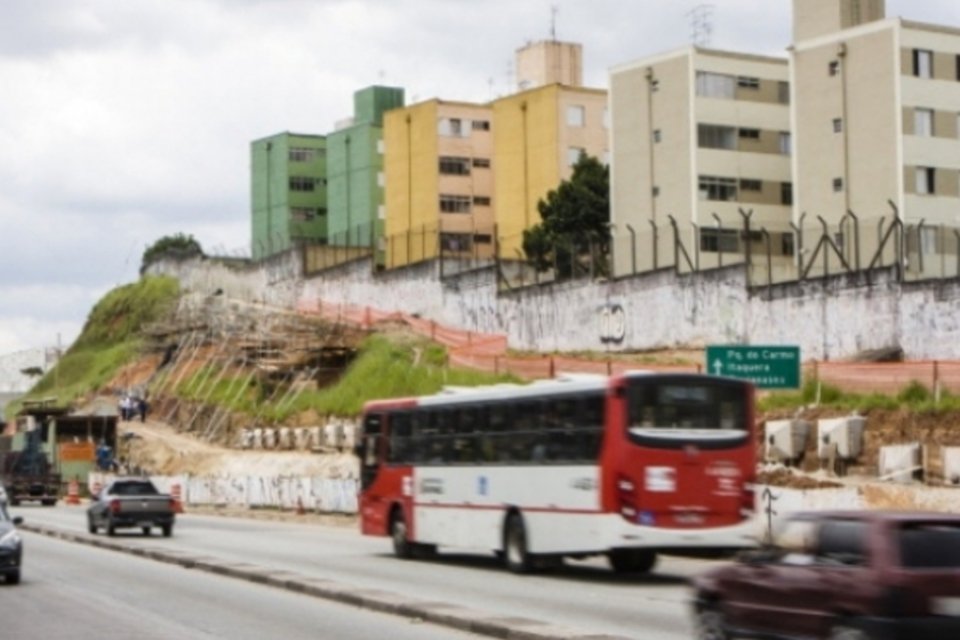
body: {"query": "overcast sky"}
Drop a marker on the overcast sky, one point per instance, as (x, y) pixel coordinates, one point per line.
(122, 121)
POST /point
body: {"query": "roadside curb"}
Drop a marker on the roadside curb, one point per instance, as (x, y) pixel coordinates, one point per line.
(439, 613)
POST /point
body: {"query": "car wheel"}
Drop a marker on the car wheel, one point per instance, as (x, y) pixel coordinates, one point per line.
(632, 560)
(402, 548)
(711, 624)
(167, 530)
(146, 530)
(92, 528)
(13, 577)
(111, 530)
(516, 556)
(846, 631)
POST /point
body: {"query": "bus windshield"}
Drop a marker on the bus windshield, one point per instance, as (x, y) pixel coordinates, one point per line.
(686, 408)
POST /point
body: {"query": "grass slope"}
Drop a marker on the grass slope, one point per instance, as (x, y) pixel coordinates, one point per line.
(110, 339)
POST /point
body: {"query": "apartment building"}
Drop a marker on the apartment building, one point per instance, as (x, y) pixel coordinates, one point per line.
(438, 182)
(539, 134)
(355, 178)
(697, 136)
(288, 192)
(876, 130)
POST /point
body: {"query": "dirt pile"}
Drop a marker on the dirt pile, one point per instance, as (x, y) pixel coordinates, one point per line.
(159, 449)
(788, 478)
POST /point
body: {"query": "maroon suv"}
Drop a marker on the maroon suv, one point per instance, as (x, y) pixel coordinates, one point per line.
(840, 575)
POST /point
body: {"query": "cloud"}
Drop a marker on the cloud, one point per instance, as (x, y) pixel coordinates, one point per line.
(122, 121)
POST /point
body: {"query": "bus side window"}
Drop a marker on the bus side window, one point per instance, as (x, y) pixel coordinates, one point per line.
(590, 427)
(400, 440)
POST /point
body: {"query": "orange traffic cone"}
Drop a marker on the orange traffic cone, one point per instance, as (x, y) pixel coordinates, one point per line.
(73, 492)
(175, 496)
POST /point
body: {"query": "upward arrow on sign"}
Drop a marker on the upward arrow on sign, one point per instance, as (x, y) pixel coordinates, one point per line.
(717, 367)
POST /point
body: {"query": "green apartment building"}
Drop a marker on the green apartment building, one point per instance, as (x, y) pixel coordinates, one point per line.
(355, 170)
(288, 192)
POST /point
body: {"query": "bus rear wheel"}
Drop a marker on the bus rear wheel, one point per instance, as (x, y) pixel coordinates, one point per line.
(632, 560)
(402, 548)
(515, 554)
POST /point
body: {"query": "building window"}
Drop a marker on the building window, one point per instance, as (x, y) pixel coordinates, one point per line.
(837, 125)
(958, 67)
(786, 143)
(655, 192)
(838, 184)
(751, 185)
(747, 82)
(454, 204)
(657, 136)
(304, 214)
(455, 242)
(923, 122)
(573, 155)
(481, 201)
(481, 163)
(786, 244)
(576, 115)
(715, 188)
(928, 240)
(716, 85)
(712, 136)
(834, 67)
(380, 146)
(750, 134)
(783, 92)
(716, 240)
(302, 154)
(481, 125)
(303, 183)
(451, 128)
(482, 238)
(450, 165)
(786, 193)
(922, 63)
(926, 180)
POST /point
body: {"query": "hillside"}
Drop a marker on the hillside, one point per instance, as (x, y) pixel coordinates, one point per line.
(215, 370)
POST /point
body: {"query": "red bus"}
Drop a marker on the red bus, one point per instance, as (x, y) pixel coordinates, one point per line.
(628, 466)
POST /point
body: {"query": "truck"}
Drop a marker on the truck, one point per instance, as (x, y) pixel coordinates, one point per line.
(28, 475)
(131, 503)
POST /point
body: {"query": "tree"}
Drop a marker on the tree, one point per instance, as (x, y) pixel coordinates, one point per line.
(32, 372)
(575, 228)
(178, 246)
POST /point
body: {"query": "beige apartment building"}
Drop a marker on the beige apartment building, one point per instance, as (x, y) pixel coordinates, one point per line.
(876, 110)
(697, 136)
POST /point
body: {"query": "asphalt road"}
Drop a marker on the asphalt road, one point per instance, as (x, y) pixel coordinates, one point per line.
(583, 595)
(78, 592)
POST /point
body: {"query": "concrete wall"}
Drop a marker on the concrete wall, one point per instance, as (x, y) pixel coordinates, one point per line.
(661, 309)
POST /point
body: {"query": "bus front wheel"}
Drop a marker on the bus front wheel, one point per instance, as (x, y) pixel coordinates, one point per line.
(402, 548)
(516, 556)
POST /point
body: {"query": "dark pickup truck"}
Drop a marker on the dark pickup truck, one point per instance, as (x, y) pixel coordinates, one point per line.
(131, 503)
(865, 575)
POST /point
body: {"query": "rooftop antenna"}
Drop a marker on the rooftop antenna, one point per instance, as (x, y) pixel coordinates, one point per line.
(701, 24)
(554, 10)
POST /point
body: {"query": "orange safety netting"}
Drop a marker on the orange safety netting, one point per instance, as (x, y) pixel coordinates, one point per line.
(488, 352)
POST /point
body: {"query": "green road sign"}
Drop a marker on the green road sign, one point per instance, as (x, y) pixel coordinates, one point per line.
(768, 367)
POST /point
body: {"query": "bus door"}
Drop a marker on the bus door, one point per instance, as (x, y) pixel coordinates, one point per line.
(373, 503)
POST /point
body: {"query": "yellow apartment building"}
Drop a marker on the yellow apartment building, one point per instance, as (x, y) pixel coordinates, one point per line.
(438, 183)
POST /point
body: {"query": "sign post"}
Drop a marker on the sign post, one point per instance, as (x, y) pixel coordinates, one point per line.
(768, 367)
